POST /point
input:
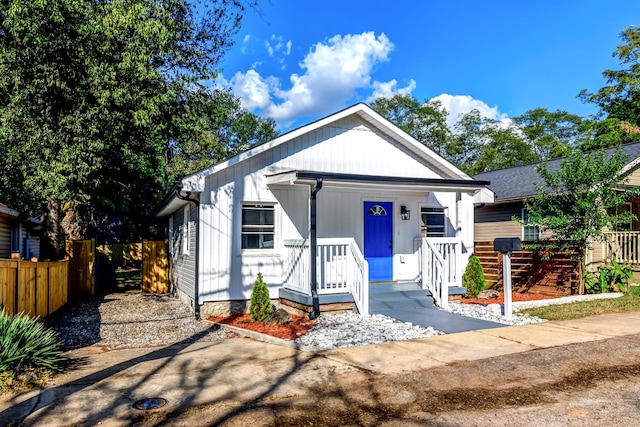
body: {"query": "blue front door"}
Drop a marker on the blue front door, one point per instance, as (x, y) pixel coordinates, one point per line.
(378, 240)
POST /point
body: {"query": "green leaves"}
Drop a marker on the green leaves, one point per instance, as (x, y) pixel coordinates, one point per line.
(89, 93)
(580, 199)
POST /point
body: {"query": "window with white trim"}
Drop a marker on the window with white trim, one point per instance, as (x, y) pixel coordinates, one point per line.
(186, 230)
(258, 226)
(433, 222)
(530, 232)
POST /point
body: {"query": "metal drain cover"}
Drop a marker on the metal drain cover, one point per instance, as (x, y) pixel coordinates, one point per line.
(150, 403)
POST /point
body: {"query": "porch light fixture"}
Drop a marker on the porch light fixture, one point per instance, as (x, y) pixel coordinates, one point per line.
(404, 213)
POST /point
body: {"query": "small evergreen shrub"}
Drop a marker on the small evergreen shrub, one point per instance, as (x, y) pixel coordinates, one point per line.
(260, 307)
(473, 278)
(26, 344)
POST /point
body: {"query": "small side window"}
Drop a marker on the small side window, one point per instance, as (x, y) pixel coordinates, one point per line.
(186, 230)
(258, 226)
(530, 233)
(433, 222)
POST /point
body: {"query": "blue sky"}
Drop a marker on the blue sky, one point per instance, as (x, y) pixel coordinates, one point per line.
(302, 60)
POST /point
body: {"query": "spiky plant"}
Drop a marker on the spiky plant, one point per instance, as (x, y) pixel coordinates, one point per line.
(26, 343)
(260, 307)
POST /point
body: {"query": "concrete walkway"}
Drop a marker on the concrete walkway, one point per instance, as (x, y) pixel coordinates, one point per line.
(410, 303)
(103, 385)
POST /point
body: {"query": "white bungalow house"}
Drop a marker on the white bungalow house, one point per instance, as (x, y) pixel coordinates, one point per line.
(322, 212)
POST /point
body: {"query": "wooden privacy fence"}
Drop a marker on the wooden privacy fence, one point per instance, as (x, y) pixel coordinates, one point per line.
(35, 288)
(551, 273)
(155, 266)
(81, 255)
(120, 254)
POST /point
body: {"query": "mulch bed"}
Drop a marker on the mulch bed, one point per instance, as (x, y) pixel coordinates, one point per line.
(515, 297)
(288, 331)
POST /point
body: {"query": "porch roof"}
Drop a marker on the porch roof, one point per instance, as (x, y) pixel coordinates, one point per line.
(309, 178)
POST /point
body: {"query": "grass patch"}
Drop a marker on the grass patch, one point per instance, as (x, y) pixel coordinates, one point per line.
(628, 302)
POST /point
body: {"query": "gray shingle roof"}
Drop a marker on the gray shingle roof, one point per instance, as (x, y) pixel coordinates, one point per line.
(517, 183)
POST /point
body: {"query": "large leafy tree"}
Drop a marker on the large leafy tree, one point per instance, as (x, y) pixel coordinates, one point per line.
(550, 134)
(425, 121)
(480, 144)
(89, 93)
(221, 129)
(578, 201)
(619, 99)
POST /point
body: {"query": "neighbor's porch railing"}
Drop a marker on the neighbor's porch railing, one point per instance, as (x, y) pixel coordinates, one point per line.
(624, 245)
(341, 268)
(439, 261)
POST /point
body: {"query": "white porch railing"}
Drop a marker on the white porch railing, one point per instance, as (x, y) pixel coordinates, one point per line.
(439, 260)
(625, 245)
(341, 268)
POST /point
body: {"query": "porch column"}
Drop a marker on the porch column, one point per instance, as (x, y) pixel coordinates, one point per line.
(313, 249)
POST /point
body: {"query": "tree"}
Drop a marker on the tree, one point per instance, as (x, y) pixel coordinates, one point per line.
(619, 100)
(88, 96)
(480, 144)
(221, 129)
(550, 134)
(426, 121)
(578, 201)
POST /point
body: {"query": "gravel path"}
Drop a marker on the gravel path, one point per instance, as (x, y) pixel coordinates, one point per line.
(130, 320)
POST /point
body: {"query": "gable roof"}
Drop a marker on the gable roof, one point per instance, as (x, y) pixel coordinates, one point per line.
(195, 182)
(517, 183)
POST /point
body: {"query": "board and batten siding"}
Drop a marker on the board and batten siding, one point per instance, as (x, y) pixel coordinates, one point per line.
(184, 263)
(347, 146)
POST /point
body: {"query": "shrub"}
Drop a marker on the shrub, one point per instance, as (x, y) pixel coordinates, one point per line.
(473, 278)
(260, 307)
(26, 344)
(611, 278)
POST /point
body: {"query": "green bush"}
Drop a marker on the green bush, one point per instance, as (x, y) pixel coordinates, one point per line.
(26, 344)
(260, 307)
(611, 278)
(473, 278)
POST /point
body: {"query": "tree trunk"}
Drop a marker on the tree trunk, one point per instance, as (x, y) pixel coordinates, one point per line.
(52, 242)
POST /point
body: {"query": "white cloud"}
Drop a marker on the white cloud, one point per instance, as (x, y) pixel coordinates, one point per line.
(251, 88)
(457, 105)
(245, 43)
(332, 71)
(389, 89)
(270, 49)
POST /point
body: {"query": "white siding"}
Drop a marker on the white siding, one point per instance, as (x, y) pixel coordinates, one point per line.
(347, 146)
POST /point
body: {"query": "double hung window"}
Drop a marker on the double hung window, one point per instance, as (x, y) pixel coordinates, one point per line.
(258, 226)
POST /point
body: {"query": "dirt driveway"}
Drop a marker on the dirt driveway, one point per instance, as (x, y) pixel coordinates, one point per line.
(596, 383)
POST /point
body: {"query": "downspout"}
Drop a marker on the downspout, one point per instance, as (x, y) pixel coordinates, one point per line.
(187, 198)
(314, 251)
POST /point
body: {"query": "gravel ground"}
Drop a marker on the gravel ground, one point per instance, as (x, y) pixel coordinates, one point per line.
(134, 320)
(130, 320)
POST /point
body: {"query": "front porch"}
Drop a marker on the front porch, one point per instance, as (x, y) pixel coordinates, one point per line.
(623, 245)
(342, 274)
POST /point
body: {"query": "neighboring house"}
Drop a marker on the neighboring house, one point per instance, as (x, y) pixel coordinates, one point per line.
(351, 190)
(19, 235)
(512, 186)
